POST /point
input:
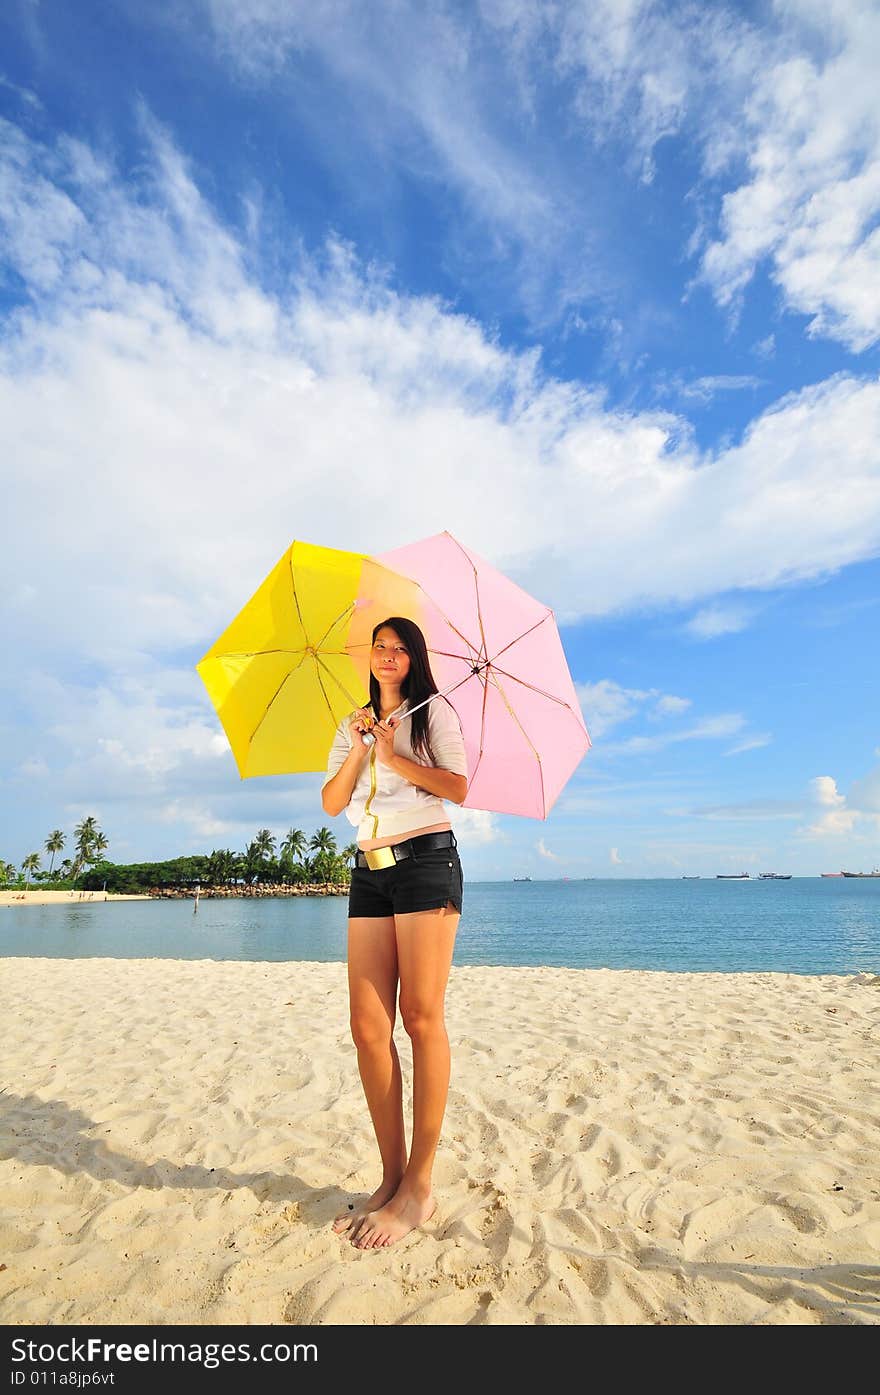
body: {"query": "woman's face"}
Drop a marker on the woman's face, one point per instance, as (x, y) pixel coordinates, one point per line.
(389, 659)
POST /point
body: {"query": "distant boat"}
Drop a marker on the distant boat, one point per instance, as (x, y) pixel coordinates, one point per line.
(774, 876)
(522, 879)
(830, 874)
(731, 876)
(686, 878)
(875, 873)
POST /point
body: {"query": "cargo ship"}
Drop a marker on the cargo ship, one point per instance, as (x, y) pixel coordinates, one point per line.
(774, 876)
(830, 874)
(731, 876)
(875, 873)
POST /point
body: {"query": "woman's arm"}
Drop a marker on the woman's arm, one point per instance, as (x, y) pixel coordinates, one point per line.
(336, 794)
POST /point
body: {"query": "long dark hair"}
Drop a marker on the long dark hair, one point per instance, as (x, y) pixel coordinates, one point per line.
(416, 686)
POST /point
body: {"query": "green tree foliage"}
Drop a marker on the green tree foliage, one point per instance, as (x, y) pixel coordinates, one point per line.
(54, 844)
(90, 844)
(30, 864)
(257, 865)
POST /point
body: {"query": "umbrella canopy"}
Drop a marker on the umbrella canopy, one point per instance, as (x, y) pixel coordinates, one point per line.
(280, 675)
(497, 652)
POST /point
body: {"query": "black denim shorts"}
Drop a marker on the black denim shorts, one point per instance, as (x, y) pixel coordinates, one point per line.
(423, 882)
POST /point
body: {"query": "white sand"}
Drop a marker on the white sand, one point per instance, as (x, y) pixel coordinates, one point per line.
(619, 1147)
(36, 897)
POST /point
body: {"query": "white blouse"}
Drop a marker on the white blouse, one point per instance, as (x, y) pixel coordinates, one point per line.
(382, 802)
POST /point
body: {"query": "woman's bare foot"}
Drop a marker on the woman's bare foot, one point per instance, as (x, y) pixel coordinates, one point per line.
(348, 1219)
(391, 1222)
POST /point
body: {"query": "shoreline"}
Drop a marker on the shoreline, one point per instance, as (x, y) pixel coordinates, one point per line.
(75, 898)
(64, 898)
(620, 1147)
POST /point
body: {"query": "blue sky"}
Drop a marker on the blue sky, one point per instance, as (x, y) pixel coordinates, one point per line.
(595, 287)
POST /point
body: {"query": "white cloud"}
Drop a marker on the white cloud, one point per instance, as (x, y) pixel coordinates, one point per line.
(712, 621)
(24, 94)
(196, 818)
(812, 196)
(672, 706)
(841, 815)
(606, 704)
(751, 743)
(825, 792)
(475, 827)
(789, 96)
(545, 851)
(186, 425)
(641, 70)
(615, 858)
(157, 421)
(716, 728)
(706, 389)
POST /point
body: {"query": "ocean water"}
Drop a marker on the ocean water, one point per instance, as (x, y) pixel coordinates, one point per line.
(806, 926)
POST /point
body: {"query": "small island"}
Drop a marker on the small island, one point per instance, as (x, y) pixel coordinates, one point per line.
(301, 866)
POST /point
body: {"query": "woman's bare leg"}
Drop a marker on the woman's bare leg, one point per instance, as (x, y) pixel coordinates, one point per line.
(372, 991)
(425, 942)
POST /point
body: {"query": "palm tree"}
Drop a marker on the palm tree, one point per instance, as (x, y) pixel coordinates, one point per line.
(323, 842)
(30, 864)
(264, 843)
(54, 844)
(100, 845)
(340, 870)
(350, 853)
(261, 849)
(7, 872)
(86, 833)
(229, 864)
(294, 844)
(253, 863)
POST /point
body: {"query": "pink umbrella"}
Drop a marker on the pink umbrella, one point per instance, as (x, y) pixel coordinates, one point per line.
(497, 655)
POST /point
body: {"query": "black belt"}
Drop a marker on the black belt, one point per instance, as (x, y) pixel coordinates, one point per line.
(397, 852)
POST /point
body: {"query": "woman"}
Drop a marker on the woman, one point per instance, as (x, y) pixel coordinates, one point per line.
(404, 908)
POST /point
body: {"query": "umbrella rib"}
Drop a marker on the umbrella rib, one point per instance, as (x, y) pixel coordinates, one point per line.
(516, 640)
(532, 688)
(345, 693)
(275, 695)
(484, 651)
(349, 610)
(318, 666)
(258, 653)
(516, 719)
(448, 653)
(482, 733)
(296, 599)
(454, 628)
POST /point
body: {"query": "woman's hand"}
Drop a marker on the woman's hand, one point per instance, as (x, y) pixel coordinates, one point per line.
(362, 721)
(384, 734)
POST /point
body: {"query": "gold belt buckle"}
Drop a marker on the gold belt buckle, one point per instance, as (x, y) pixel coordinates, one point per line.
(377, 858)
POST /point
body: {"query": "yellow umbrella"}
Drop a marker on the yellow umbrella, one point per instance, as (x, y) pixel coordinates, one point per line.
(281, 674)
